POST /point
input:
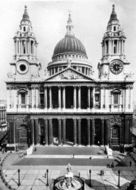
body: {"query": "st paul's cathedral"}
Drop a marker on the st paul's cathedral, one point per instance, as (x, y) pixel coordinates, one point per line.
(67, 104)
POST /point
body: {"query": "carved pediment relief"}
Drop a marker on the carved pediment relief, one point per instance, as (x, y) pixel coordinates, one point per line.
(69, 75)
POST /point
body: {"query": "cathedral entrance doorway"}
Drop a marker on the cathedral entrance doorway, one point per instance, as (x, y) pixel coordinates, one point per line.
(115, 134)
(55, 125)
(98, 132)
(84, 132)
(69, 130)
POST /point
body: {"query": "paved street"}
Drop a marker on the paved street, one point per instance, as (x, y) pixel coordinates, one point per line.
(34, 177)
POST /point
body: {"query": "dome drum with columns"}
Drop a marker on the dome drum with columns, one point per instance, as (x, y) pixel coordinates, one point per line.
(69, 105)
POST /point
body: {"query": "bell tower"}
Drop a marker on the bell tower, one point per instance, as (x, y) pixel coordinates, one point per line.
(25, 63)
(24, 40)
(113, 60)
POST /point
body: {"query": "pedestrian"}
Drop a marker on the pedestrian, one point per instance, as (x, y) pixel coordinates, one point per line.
(130, 163)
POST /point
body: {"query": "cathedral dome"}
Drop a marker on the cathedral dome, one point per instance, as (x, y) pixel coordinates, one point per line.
(69, 45)
(69, 52)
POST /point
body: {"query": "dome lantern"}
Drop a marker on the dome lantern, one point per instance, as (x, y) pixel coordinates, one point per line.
(69, 26)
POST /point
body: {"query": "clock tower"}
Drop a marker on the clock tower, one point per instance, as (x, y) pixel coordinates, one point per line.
(25, 63)
(114, 65)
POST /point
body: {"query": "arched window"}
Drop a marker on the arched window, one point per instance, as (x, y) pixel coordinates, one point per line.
(24, 48)
(23, 98)
(114, 28)
(22, 93)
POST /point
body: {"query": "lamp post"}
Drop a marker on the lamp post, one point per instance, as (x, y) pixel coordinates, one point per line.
(18, 177)
(119, 178)
(47, 171)
(90, 177)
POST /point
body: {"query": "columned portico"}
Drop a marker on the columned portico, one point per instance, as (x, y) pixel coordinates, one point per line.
(68, 97)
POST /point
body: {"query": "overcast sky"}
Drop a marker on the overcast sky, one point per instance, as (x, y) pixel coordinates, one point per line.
(49, 19)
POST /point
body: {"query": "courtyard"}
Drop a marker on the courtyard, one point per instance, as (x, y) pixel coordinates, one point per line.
(33, 168)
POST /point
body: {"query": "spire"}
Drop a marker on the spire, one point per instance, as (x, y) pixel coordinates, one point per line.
(69, 25)
(113, 14)
(25, 15)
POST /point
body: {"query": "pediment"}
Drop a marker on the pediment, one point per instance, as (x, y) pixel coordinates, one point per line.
(69, 74)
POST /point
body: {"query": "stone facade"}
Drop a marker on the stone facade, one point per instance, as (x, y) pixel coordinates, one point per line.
(67, 105)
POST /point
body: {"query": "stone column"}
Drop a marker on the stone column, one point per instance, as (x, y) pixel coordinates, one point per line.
(50, 132)
(79, 131)
(46, 131)
(75, 132)
(75, 99)
(45, 97)
(64, 97)
(89, 97)
(37, 131)
(93, 131)
(59, 96)
(14, 132)
(102, 131)
(20, 47)
(93, 95)
(64, 130)
(79, 97)
(60, 131)
(32, 131)
(50, 96)
(88, 122)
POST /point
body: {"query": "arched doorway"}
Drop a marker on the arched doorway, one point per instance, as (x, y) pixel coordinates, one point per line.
(115, 135)
(84, 132)
(69, 130)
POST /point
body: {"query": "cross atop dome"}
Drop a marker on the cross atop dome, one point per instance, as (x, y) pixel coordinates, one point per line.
(69, 26)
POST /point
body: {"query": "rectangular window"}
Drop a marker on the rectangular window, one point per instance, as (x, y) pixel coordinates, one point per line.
(23, 98)
(116, 99)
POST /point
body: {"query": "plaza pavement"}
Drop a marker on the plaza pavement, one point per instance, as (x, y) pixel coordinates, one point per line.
(32, 176)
